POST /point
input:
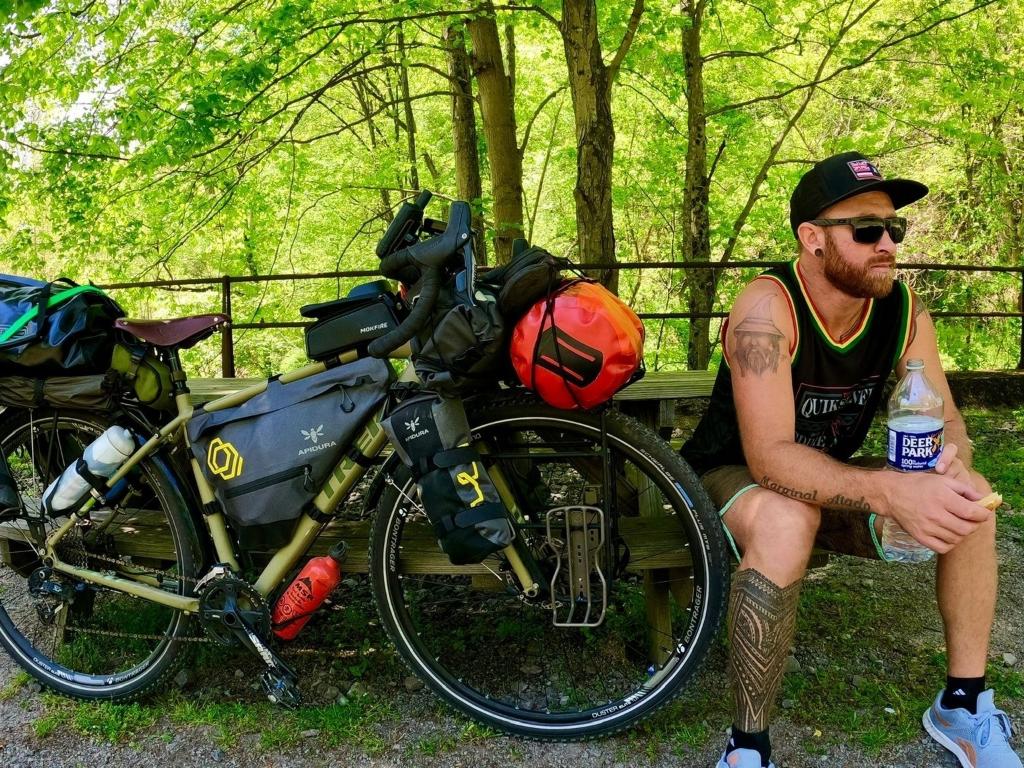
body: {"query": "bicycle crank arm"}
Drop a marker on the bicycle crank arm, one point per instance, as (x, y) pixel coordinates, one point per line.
(279, 681)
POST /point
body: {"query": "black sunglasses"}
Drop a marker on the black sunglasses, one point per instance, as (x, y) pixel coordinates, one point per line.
(869, 229)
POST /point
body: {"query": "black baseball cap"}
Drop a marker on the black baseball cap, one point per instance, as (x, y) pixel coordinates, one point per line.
(841, 176)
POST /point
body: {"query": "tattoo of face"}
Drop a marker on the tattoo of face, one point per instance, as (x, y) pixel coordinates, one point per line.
(758, 340)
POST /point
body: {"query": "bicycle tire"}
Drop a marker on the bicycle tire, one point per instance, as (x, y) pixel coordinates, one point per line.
(487, 654)
(99, 643)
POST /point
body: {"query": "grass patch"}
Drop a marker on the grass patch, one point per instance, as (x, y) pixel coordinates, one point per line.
(350, 724)
(15, 684)
(103, 721)
(432, 746)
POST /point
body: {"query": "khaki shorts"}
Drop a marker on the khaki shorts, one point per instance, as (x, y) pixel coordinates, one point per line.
(844, 531)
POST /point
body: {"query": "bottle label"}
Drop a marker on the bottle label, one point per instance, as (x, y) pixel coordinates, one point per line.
(915, 446)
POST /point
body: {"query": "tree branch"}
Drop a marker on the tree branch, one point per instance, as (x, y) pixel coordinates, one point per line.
(535, 115)
(819, 79)
(627, 40)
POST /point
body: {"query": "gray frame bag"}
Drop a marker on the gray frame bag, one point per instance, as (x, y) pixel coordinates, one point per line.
(267, 457)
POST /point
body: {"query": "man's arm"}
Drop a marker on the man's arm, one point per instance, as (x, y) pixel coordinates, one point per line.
(933, 508)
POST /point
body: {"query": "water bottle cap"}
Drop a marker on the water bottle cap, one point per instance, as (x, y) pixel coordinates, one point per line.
(338, 552)
(915, 364)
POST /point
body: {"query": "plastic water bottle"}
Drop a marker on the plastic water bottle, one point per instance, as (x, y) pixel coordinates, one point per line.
(915, 444)
(311, 587)
(102, 457)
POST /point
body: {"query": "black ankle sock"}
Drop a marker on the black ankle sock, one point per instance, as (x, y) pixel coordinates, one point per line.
(759, 740)
(963, 692)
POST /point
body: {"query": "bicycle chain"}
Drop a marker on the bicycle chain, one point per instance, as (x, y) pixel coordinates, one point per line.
(303, 650)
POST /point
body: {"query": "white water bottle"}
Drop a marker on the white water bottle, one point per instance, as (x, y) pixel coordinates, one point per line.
(915, 444)
(102, 457)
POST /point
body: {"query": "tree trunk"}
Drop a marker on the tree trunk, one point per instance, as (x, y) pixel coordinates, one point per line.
(467, 156)
(499, 120)
(697, 234)
(363, 97)
(590, 86)
(410, 120)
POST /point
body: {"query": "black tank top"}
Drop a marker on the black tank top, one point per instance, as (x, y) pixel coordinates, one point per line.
(837, 386)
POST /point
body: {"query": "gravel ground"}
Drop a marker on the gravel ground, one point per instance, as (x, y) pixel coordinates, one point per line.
(422, 721)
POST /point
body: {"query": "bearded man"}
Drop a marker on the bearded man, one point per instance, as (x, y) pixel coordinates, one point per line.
(807, 349)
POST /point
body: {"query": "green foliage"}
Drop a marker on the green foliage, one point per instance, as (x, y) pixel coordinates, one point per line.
(189, 139)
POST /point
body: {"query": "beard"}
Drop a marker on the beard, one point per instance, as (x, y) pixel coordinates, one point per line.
(861, 282)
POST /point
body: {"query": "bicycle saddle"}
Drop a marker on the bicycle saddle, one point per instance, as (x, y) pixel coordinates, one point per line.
(181, 332)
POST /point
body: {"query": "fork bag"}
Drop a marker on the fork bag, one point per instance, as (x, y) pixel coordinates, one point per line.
(430, 433)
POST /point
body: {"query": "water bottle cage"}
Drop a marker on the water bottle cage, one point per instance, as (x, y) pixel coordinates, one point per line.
(97, 484)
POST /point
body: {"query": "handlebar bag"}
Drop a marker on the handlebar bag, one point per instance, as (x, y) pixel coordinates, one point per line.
(268, 457)
(54, 329)
(463, 346)
(530, 274)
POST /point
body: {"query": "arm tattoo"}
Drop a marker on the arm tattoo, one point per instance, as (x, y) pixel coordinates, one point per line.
(792, 493)
(758, 340)
(845, 502)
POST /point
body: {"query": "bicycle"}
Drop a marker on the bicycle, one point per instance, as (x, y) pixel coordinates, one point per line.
(596, 615)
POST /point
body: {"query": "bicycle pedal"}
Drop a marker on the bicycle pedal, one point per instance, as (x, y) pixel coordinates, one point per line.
(282, 690)
(577, 533)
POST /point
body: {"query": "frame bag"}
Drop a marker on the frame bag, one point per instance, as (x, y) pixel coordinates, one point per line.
(267, 457)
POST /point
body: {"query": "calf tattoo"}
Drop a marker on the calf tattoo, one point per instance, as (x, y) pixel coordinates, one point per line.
(762, 622)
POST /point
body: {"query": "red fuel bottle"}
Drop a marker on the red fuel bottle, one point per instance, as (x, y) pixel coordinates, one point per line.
(311, 587)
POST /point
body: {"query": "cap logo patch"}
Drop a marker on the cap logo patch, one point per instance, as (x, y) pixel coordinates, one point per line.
(863, 170)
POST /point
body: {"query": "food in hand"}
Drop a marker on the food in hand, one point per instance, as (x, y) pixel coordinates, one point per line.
(992, 501)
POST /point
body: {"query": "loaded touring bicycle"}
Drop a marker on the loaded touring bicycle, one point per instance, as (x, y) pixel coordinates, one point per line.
(581, 604)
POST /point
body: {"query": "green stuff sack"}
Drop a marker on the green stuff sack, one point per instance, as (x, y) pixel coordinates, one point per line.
(147, 375)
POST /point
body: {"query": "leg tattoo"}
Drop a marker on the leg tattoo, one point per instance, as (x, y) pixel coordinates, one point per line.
(762, 622)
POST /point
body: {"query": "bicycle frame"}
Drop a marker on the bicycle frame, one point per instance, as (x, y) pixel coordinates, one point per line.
(346, 474)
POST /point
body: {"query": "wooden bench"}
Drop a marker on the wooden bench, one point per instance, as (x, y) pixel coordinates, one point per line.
(655, 386)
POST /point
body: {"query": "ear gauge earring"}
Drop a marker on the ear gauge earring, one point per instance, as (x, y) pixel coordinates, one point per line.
(819, 253)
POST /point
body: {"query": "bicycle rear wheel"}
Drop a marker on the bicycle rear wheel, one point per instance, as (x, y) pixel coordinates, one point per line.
(77, 638)
(499, 656)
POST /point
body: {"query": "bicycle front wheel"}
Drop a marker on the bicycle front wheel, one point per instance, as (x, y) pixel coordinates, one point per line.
(631, 559)
(77, 638)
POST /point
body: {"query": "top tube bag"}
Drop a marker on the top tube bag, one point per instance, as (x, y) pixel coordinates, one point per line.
(268, 457)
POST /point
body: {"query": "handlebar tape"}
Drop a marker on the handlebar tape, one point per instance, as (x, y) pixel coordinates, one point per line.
(416, 319)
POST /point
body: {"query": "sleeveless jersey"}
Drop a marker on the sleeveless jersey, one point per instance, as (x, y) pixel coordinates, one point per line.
(837, 385)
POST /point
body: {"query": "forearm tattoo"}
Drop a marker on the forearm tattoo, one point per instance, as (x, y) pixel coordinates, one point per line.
(762, 622)
(792, 493)
(758, 341)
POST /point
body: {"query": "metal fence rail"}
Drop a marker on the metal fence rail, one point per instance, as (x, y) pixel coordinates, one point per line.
(225, 283)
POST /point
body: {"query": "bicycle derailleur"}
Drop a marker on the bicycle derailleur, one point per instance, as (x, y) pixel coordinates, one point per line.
(51, 594)
(233, 613)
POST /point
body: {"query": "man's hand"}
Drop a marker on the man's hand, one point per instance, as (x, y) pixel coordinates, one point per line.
(951, 466)
(936, 509)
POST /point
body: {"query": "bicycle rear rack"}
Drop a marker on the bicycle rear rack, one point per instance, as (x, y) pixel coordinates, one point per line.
(577, 534)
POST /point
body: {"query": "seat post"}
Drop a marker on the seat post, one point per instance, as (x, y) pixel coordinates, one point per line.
(178, 377)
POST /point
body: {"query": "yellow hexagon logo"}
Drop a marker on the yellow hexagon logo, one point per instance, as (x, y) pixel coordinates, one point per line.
(223, 460)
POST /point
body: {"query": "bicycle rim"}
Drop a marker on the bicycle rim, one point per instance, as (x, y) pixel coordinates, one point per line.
(76, 638)
(500, 658)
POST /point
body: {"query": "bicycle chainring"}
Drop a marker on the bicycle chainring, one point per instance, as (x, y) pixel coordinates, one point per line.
(222, 596)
